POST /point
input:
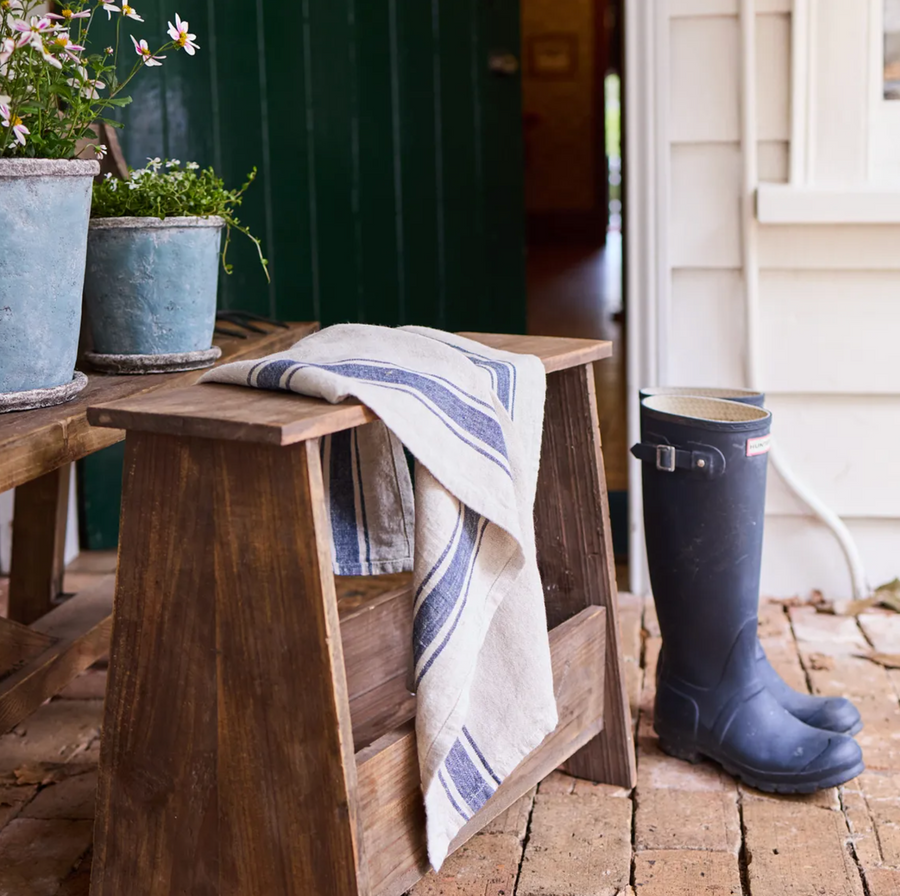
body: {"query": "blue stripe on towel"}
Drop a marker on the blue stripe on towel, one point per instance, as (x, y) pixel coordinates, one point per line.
(479, 754)
(443, 556)
(453, 802)
(468, 781)
(462, 607)
(344, 526)
(503, 375)
(437, 607)
(439, 399)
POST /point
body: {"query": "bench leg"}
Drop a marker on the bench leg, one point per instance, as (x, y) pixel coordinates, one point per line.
(39, 545)
(575, 556)
(227, 761)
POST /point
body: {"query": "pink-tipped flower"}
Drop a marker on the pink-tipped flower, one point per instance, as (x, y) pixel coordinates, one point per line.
(67, 15)
(179, 33)
(8, 120)
(33, 31)
(63, 43)
(87, 85)
(130, 12)
(146, 54)
(7, 48)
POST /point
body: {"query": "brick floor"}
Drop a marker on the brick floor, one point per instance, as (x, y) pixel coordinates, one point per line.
(684, 831)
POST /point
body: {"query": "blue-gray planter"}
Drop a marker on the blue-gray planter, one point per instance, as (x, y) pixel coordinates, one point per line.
(150, 286)
(45, 206)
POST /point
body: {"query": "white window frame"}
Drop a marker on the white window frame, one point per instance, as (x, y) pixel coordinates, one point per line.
(868, 191)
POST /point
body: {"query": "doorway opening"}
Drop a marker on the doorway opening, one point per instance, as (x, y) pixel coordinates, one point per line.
(572, 101)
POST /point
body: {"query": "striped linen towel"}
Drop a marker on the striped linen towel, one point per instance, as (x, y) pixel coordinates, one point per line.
(473, 418)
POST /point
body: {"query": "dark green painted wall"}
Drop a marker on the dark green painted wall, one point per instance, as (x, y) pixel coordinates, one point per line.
(390, 186)
(390, 160)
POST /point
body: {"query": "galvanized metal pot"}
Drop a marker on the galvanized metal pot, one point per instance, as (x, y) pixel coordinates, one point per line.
(150, 287)
(44, 212)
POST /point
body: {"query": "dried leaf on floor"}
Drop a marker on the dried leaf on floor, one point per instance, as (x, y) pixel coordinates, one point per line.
(820, 662)
(888, 595)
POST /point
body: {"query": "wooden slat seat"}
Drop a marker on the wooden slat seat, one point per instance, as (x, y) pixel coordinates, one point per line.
(217, 411)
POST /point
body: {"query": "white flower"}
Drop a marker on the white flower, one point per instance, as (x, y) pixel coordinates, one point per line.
(113, 184)
(179, 33)
(63, 41)
(32, 31)
(87, 85)
(130, 12)
(110, 9)
(49, 58)
(154, 164)
(144, 51)
(173, 163)
(133, 186)
(67, 15)
(192, 166)
(7, 47)
(100, 150)
(8, 120)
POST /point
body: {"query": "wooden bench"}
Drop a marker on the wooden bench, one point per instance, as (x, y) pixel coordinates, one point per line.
(258, 736)
(44, 646)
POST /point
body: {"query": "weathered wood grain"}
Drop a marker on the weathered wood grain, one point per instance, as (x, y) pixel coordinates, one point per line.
(157, 814)
(287, 775)
(223, 412)
(33, 443)
(391, 809)
(39, 544)
(77, 634)
(575, 555)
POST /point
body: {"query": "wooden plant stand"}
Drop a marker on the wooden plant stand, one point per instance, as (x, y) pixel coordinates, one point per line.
(258, 736)
(44, 646)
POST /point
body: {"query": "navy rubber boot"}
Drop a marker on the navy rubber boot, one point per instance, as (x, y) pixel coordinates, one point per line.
(830, 713)
(704, 478)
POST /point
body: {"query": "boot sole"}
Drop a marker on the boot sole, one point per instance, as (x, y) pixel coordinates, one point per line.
(830, 779)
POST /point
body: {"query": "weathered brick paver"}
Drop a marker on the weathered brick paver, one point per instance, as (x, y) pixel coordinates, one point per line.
(685, 830)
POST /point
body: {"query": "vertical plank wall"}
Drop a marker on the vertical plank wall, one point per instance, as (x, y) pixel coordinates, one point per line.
(390, 171)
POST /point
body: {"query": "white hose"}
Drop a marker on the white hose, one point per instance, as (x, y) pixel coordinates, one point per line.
(750, 259)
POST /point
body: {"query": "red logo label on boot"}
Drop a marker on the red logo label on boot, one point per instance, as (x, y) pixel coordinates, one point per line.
(759, 445)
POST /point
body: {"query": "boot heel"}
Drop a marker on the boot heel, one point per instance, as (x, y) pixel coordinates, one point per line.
(680, 750)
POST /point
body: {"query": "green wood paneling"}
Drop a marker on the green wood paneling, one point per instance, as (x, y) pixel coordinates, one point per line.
(390, 186)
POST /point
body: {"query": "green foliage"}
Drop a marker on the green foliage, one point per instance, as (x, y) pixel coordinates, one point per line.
(53, 86)
(169, 190)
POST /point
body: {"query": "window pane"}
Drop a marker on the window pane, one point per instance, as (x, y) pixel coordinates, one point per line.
(892, 49)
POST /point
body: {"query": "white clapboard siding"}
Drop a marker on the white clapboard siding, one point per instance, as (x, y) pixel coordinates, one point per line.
(704, 80)
(704, 206)
(707, 328)
(830, 331)
(774, 161)
(773, 77)
(840, 98)
(844, 447)
(679, 8)
(857, 247)
(800, 555)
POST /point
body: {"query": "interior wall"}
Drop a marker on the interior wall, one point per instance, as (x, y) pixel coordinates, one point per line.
(559, 108)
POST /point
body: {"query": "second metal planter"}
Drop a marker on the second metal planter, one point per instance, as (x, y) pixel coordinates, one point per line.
(150, 292)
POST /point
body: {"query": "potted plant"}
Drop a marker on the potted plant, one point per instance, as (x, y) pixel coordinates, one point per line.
(152, 266)
(52, 90)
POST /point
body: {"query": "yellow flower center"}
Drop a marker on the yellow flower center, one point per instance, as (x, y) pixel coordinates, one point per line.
(15, 121)
(182, 39)
(127, 10)
(66, 13)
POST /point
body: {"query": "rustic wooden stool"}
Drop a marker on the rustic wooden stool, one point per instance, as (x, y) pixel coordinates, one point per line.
(258, 736)
(43, 646)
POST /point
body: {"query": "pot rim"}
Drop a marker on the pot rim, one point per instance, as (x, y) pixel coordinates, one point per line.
(49, 168)
(149, 222)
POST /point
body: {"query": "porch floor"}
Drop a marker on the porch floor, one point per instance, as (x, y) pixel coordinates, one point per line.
(683, 830)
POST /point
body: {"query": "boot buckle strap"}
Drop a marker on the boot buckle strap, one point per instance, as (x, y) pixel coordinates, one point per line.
(705, 459)
(665, 458)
